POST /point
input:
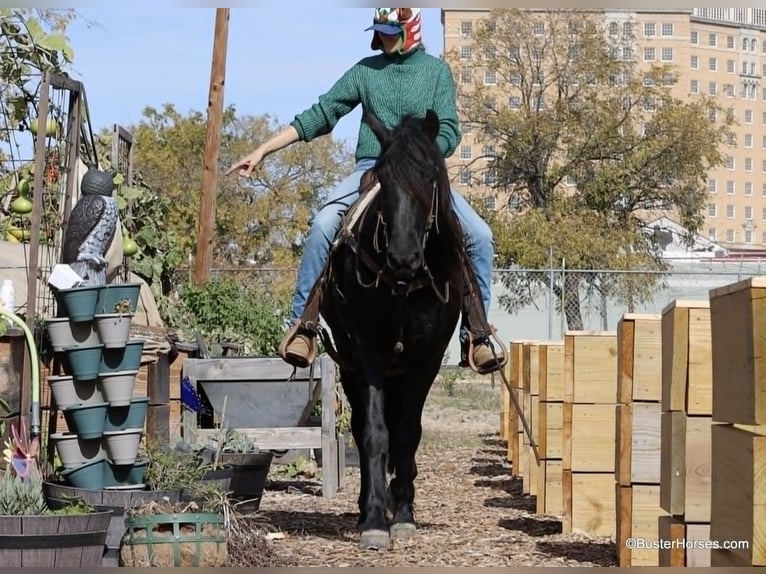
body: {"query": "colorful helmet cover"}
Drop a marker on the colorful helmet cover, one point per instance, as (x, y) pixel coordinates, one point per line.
(397, 21)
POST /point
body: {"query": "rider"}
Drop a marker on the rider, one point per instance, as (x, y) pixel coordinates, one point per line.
(403, 80)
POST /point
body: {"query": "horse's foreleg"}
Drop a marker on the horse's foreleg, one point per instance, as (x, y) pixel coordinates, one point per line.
(375, 452)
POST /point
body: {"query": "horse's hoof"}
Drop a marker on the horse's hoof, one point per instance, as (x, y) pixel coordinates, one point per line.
(402, 530)
(374, 540)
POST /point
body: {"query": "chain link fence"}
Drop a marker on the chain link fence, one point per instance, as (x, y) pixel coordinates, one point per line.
(542, 304)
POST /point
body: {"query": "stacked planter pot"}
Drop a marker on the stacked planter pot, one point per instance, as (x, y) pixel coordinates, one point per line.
(105, 421)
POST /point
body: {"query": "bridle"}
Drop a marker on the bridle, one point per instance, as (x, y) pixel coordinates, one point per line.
(383, 274)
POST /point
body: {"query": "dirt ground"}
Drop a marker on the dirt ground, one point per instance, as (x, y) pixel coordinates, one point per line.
(470, 511)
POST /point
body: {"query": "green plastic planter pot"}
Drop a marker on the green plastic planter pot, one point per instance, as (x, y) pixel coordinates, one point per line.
(86, 421)
(79, 303)
(126, 359)
(116, 292)
(132, 416)
(83, 363)
(89, 475)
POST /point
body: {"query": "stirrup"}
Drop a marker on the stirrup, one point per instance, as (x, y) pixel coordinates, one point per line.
(290, 337)
(500, 361)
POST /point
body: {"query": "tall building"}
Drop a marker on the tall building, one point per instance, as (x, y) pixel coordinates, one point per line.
(716, 51)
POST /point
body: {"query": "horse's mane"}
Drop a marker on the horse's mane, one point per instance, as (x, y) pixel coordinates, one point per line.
(409, 161)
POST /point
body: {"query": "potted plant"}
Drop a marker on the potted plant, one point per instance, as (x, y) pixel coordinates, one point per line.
(168, 534)
(32, 533)
(114, 328)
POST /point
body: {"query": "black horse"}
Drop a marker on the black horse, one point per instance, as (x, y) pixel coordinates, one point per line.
(392, 298)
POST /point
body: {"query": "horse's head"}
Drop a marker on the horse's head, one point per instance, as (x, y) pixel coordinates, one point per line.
(409, 170)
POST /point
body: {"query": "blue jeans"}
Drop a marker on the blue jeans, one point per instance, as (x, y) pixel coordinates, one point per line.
(477, 236)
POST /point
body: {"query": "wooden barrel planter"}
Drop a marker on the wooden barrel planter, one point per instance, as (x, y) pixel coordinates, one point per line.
(53, 540)
(114, 502)
(174, 540)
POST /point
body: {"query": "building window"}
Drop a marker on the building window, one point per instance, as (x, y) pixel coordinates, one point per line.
(490, 177)
(712, 185)
(667, 29)
(490, 77)
(465, 152)
(730, 66)
(627, 54)
(763, 165)
(667, 54)
(748, 235)
(712, 64)
(466, 52)
(730, 163)
(712, 88)
(539, 28)
(465, 76)
(466, 128)
(466, 28)
(763, 142)
(745, 44)
(515, 80)
(695, 63)
(514, 102)
(748, 164)
(763, 213)
(694, 37)
(489, 202)
(730, 187)
(748, 140)
(649, 29)
(748, 188)
(465, 176)
(694, 86)
(748, 213)
(711, 210)
(489, 151)
(711, 234)
(730, 236)
(730, 211)
(763, 189)
(712, 39)
(748, 116)
(649, 55)
(729, 89)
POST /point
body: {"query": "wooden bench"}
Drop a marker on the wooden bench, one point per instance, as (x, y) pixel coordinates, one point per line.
(263, 402)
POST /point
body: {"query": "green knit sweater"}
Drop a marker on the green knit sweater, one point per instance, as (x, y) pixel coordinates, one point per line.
(391, 87)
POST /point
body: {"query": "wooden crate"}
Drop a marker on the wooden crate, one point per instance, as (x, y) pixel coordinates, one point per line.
(590, 366)
(687, 371)
(638, 512)
(551, 371)
(685, 467)
(549, 498)
(515, 376)
(738, 325)
(738, 500)
(550, 424)
(639, 357)
(588, 437)
(638, 445)
(589, 501)
(674, 552)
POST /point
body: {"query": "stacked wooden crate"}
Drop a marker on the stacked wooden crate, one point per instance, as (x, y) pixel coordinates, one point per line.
(550, 419)
(529, 405)
(514, 428)
(588, 436)
(738, 498)
(637, 456)
(685, 479)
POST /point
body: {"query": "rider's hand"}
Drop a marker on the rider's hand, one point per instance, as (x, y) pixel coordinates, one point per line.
(247, 164)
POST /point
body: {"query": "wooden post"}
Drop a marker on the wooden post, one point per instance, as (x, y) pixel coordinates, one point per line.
(205, 233)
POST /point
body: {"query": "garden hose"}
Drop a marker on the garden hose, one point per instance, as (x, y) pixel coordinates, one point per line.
(34, 422)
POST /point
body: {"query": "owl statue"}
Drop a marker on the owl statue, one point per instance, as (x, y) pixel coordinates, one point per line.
(91, 227)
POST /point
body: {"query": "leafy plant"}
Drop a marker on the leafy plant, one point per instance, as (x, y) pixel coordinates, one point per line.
(179, 468)
(122, 306)
(225, 310)
(22, 496)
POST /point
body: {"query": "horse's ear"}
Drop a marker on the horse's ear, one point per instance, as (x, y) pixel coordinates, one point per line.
(377, 127)
(431, 124)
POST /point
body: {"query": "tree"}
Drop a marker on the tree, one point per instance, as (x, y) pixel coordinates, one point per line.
(589, 145)
(260, 221)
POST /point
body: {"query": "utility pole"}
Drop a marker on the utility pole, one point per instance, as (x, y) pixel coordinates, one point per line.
(205, 232)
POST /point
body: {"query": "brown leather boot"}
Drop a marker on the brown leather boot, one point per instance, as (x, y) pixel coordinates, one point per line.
(485, 360)
(298, 348)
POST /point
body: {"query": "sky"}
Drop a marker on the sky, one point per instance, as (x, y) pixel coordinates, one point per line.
(280, 57)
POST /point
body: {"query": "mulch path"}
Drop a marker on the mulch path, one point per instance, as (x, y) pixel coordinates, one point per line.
(470, 513)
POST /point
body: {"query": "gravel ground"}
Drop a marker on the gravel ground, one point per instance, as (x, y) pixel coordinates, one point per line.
(470, 511)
